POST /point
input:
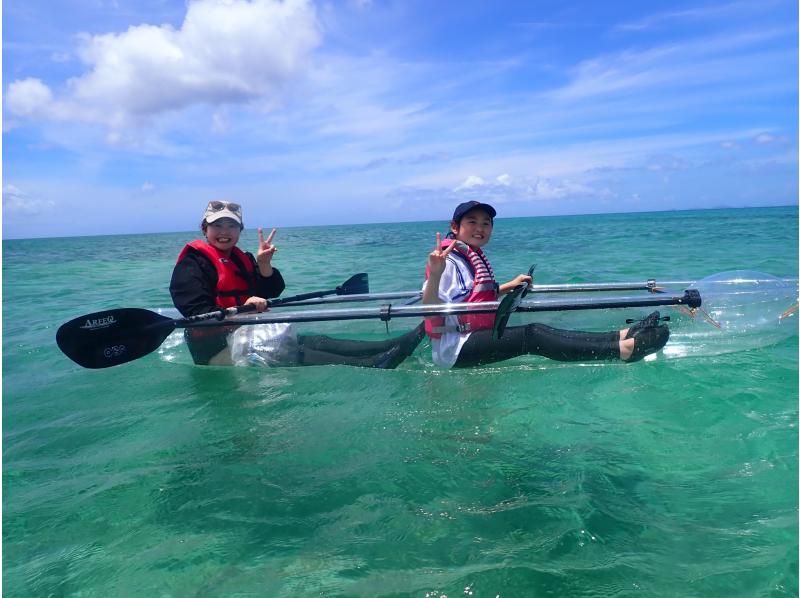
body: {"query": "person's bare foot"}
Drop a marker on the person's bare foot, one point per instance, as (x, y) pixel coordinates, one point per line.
(643, 341)
(627, 343)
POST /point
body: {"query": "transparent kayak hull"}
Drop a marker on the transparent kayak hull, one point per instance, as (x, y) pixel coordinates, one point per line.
(740, 311)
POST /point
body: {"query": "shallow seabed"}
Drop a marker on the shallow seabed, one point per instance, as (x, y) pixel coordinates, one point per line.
(674, 477)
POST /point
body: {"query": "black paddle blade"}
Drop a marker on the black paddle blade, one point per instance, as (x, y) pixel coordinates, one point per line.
(107, 338)
(357, 284)
(507, 306)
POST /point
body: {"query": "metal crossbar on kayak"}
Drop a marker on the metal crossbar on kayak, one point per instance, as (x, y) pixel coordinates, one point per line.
(389, 296)
(689, 298)
(651, 285)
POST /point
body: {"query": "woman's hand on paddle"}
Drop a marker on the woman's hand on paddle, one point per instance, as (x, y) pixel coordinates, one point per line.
(259, 302)
(265, 252)
(437, 259)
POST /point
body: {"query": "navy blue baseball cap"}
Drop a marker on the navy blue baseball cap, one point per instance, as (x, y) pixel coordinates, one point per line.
(465, 207)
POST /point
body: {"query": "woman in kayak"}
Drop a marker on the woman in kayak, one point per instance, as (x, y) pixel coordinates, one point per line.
(458, 271)
(214, 273)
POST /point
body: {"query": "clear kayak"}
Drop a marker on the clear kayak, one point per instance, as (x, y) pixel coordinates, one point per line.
(737, 311)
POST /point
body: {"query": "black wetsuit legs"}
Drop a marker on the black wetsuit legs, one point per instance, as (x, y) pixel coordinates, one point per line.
(537, 339)
(388, 354)
(344, 347)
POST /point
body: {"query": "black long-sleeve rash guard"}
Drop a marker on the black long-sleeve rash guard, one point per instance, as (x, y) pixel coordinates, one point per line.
(194, 284)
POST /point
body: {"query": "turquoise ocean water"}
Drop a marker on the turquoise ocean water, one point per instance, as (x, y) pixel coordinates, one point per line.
(674, 477)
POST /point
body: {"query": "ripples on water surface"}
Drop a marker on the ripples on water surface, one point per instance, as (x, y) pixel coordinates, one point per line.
(668, 478)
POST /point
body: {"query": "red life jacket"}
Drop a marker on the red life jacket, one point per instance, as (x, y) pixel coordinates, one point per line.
(234, 274)
(484, 288)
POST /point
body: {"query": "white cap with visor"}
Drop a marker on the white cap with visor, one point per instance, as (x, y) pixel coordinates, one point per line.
(223, 209)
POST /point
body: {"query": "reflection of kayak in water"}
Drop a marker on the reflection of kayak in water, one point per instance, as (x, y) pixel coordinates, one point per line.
(727, 312)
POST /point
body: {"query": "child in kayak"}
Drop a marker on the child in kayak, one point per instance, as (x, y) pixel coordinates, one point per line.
(214, 273)
(458, 271)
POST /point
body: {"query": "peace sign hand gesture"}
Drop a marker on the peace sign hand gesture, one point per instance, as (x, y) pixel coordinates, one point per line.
(437, 259)
(265, 252)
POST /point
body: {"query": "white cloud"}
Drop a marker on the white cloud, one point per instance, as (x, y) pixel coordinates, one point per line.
(546, 189)
(60, 56)
(219, 122)
(667, 19)
(656, 19)
(226, 51)
(702, 62)
(28, 97)
(504, 190)
(17, 202)
(662, 162)
(470, 182)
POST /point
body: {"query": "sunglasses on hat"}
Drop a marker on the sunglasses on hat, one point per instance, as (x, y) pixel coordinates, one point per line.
(217, 206)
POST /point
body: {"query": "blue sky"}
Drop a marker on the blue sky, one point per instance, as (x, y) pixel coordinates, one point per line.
(126, 116)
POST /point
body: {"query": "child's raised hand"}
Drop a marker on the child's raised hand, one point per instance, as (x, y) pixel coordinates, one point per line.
(265, 248)
(515, 282)
(438, 257)
(521, 279)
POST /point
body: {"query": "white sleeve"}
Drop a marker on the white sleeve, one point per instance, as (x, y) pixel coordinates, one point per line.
(456, 281)
(454, 286)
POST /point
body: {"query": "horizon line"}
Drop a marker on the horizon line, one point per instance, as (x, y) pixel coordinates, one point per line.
(4, 238)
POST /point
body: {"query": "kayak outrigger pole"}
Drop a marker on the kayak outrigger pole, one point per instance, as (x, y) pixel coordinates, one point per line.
(112, 337)
(649, 285)
(690, 298)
